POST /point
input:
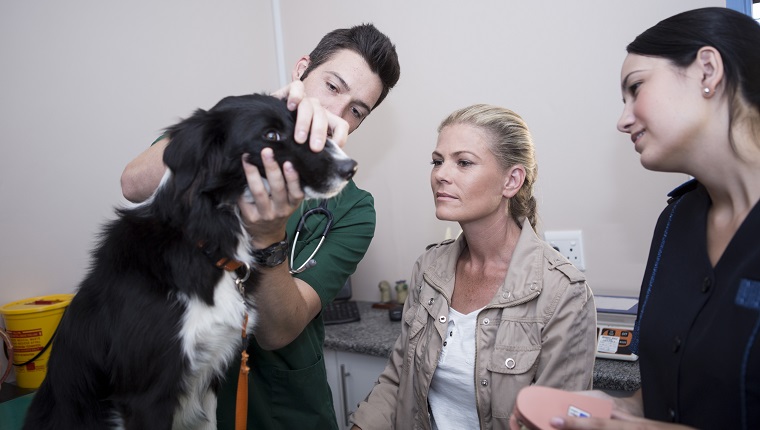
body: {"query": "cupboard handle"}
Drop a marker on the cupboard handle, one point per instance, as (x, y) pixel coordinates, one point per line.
(343, 375)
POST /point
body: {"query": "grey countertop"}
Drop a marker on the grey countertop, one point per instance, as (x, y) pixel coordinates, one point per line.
(375, 335)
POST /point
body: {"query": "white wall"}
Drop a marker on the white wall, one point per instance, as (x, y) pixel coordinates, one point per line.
(86, 85)
(558, 65)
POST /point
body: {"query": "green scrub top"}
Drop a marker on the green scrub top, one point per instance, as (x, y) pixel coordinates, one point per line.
(288, 387)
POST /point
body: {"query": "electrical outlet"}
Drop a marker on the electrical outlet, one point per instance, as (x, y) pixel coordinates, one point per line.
(569, 243)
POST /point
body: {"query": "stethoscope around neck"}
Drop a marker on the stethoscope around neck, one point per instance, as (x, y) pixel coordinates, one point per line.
(310, 262)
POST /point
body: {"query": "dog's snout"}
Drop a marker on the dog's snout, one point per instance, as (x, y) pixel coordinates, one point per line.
(347, 169)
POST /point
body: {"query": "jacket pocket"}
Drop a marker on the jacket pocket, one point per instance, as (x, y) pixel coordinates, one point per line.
(514, 360)
(512, 368)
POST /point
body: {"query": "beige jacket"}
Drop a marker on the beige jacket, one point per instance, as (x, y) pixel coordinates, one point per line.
(540, 328)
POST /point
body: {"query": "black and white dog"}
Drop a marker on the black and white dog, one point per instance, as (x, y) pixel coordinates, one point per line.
(155, 323)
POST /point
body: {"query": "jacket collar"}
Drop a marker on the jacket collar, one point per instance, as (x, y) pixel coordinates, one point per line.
(524, 277)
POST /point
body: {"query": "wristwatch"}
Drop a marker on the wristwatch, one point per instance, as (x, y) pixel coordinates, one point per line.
(273, 255)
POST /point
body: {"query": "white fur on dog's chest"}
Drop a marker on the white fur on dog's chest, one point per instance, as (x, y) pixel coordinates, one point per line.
(211, 336)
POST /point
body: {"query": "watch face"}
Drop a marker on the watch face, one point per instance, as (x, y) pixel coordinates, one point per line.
(272, 255)
(276, 258)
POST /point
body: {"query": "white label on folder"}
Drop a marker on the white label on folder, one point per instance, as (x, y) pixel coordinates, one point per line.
(608, 344)
(576, 412)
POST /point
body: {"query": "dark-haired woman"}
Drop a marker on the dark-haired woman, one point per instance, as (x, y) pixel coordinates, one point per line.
(691, 88)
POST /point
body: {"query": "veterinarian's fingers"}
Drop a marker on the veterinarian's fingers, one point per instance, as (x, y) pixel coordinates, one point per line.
(295, 192)
(277, 187)
(303, 122)
(312, 119)
(293, 93)
(259, 219)
(282, 93)
(339, 129)
(261, 203)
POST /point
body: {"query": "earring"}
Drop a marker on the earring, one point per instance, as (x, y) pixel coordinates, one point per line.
(706, 91)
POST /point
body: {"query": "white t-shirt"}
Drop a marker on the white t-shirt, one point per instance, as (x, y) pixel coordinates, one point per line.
(452, 390)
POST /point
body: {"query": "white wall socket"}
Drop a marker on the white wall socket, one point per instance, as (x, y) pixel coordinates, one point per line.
(569, 243)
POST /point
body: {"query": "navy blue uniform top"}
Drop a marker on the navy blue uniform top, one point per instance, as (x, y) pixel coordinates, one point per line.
(697, 328)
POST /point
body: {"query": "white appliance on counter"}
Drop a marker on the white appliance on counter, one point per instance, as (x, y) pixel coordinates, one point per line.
(615, 318)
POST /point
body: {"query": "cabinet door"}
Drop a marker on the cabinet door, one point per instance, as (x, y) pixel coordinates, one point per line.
(333, 378)
(351, 377)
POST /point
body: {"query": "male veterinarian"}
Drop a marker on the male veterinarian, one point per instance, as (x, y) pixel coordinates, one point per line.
(345, 77)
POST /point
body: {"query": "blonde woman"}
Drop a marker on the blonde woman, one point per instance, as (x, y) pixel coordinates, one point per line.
(493, 311)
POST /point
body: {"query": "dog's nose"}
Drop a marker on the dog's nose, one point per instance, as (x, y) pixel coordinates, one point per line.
(347, 169)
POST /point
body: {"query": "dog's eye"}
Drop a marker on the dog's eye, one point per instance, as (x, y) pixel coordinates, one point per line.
(272, 136)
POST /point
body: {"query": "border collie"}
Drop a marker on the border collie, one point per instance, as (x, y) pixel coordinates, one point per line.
(155, 323)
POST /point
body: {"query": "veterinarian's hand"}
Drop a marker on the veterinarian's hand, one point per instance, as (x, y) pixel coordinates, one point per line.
(313, 120)
(265, 218)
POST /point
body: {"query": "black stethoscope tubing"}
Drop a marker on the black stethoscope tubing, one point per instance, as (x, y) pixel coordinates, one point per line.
(310, 262)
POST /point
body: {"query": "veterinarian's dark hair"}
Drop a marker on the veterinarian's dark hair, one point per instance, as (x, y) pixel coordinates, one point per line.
(512, 144)
(735, 35)
(366, 40)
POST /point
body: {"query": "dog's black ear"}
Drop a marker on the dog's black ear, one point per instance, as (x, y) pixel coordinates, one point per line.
(187, 148)
(196, 157)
